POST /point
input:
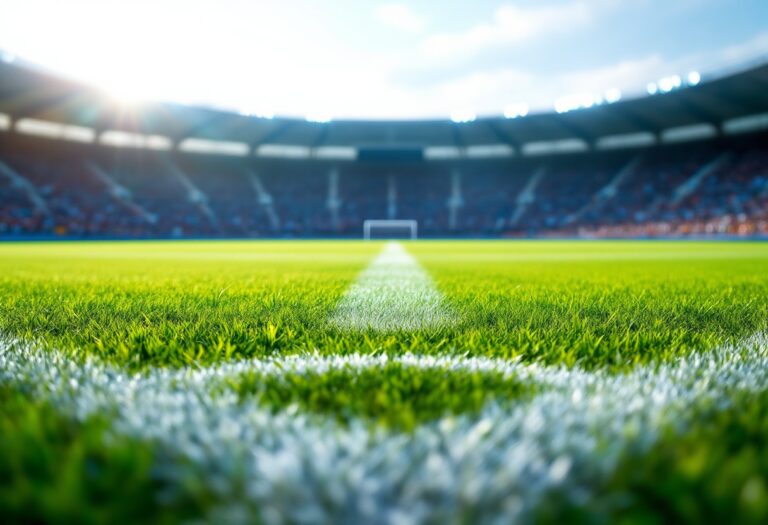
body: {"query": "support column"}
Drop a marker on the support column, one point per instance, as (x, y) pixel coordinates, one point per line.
(391, 198)
(455, 201)
(334, 200)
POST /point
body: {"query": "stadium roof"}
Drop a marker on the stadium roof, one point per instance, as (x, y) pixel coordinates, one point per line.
(27, 93)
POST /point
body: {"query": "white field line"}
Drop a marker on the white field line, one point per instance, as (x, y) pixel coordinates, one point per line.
(393, 293)
(293, 468)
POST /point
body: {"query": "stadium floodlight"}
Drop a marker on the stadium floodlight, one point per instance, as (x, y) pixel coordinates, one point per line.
(258, 114)
(694, 77)
(652, 88)
(319, 118)
(387, 227)
(516, 110)
(612, 95)
(577, 101)
(463, 115)
(667, 84)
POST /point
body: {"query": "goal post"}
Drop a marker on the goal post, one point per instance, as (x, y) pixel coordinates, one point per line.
(386, 228)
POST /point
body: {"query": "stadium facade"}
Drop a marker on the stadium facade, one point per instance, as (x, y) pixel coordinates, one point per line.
(690, 159)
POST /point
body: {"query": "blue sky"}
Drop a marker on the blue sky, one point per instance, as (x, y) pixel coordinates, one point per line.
(380, 59)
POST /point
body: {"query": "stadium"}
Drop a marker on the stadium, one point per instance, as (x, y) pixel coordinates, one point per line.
(537, 314)
(688, 162)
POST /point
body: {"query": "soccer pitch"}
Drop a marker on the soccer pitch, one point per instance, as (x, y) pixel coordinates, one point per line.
(373, 382)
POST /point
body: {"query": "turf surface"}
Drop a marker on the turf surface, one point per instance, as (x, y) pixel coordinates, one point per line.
(596, 306)
(393, 395)
(186, 303)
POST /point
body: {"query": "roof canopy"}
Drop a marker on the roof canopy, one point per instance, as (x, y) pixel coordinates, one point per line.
(28, 93)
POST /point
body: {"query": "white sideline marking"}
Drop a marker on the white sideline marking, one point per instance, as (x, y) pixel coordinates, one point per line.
(293, 468)
(393, 293)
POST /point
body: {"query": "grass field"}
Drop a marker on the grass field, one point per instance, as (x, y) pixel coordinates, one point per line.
(352, 382)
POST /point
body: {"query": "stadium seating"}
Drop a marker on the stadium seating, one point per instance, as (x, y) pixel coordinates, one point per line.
(705, 188)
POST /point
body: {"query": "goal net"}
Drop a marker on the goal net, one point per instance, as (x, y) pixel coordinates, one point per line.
(389, 229)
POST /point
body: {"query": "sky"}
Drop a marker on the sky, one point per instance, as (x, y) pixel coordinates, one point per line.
(380, 59)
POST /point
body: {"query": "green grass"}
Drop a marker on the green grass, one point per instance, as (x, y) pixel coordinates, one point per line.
(717, 472)
(394, 395)
(614, 305)
(54, 470)
(191, 303)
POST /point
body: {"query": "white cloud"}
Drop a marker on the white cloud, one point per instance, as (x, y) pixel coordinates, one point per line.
(262, 57)
(488, 93)
(400, 17)
(750, 50)
(626, 75)
(510, 25)
(485, 92)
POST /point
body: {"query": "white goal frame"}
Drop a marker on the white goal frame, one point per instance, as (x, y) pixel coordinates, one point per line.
(412, 225)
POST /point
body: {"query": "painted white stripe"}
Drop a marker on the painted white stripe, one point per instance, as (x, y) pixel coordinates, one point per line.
(393, 293)
(495, 466)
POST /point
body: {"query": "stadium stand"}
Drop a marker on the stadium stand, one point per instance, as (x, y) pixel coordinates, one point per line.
(147, 198)
(62, 176)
